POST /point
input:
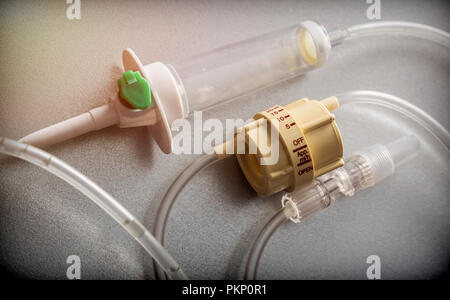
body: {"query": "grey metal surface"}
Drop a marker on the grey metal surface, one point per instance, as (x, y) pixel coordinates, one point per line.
(53, 68)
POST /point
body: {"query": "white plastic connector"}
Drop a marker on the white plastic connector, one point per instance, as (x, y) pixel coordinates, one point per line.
(292, 212)
(96, 119)
(165, 93)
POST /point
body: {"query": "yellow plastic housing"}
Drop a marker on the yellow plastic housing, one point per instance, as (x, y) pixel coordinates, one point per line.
(309, 144)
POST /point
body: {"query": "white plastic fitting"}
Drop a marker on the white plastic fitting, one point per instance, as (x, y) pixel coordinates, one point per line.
(165, 93)
(95, 119)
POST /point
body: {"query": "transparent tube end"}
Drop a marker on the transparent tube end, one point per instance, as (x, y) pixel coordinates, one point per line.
(382, 160)
(403, 149)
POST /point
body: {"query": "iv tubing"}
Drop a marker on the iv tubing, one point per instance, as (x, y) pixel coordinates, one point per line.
(260, 243)
(106, 202)
(401, 106)
(411, 29)
(356, 97)
(171, 195)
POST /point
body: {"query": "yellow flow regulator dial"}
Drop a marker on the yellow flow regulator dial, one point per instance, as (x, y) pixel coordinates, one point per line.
(285, 147)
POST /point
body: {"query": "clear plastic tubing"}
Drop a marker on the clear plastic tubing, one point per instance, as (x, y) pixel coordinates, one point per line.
(401, 106)
(361, 171)
(258, 246)
(411, 29)
(228, 72)
(111, 206)
(171, 195)
(356, 97)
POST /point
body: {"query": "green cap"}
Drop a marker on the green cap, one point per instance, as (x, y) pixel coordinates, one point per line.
(135, 90)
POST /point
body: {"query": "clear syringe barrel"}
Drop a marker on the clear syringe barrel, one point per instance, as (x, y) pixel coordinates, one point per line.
(226, 73)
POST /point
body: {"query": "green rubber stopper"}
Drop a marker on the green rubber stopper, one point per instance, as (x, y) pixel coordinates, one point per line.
(135, 90)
